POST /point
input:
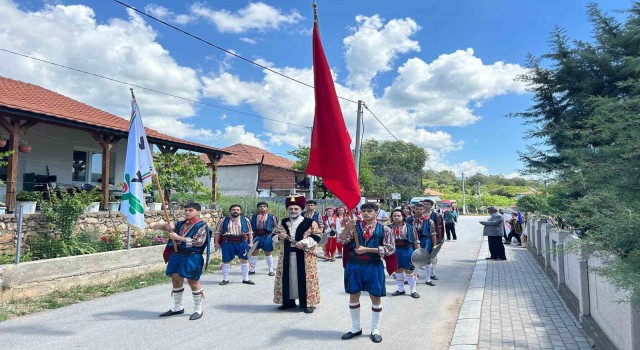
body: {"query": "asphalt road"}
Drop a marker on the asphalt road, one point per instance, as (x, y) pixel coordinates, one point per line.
(241, 316)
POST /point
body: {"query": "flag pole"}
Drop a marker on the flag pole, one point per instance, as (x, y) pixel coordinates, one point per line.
(157, 180)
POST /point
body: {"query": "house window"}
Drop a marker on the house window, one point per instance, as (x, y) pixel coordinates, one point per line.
(83, 160)
(79, 170)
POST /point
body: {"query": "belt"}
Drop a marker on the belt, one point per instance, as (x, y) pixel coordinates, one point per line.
(185, 252)
(402, 243)
(364, 259)
(261, 232)
(234, 239)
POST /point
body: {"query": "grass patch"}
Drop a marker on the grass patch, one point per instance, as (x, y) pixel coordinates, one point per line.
(58, 299)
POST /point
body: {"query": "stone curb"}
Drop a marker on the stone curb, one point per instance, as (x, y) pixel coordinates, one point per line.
(466, 333)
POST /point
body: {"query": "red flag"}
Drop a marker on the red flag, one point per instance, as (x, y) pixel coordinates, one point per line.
(330, 155)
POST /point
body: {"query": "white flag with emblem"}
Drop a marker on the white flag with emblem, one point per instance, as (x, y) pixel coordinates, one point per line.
(138, 170)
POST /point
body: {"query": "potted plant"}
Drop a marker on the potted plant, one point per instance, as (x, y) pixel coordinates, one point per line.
(28, 200)
(24, 147)
(3, 208)
(3, 140)
(93, 197)
(114, 204)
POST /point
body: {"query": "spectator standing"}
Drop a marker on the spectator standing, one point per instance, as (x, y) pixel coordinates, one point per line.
(494, 229)
(450, 220)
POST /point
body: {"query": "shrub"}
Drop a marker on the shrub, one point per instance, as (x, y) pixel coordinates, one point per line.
(29, 196)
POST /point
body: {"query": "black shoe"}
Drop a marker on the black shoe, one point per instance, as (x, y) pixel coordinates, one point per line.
(376, 338)
(171, 313)
(350, 335)
(502, 259)
(195, 316)
(286, 306)
(490, 258)
(396, 293)
(252, 272)
(415, 295)
(434, 277)
(272, 273)
(308, 310)
(406, 282)
(223, 282)
(249, 282)
(430, 283)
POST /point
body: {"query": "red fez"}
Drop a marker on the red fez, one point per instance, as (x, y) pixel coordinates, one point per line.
(295, 199)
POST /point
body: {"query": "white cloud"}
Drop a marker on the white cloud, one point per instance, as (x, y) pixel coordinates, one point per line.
(123, 49)
(248, 40)
(255, 16)
(167, 15)
(237, 134)
(374, 45)
(469, 167)
(440, 92)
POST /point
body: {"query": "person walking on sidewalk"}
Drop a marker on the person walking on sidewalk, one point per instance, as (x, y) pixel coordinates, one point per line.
(450, 220)
(516, 229)
(493, 229)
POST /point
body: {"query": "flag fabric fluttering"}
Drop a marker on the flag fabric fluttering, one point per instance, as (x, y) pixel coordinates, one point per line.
(330, 155)
(138, 170)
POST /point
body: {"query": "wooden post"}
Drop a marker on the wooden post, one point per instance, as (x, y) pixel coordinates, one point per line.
(214, 159)
(13, 126)
(106, 142)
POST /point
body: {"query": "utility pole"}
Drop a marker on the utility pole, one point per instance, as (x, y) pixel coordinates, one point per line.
(312, 180)
(464, 202)
(358, 137)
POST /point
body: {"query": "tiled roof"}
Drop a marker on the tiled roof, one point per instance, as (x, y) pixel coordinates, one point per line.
(18, 95)
(242, 154)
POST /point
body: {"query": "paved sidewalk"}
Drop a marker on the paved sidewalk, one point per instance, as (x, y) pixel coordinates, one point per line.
(518, 308)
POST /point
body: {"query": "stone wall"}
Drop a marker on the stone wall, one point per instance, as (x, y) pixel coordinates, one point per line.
(34, 225)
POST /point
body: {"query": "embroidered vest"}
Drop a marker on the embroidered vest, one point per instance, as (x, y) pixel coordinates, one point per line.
(192, 231)
(243, 225)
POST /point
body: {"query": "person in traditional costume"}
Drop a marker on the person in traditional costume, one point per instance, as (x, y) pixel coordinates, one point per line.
(312, 213)
(233, 235)
(406, 241)
(192, 236)
(297, 272)
(368, 241)
(263, 224)
(425, 228)
(330, 224)
(341, 220)
(438, 220)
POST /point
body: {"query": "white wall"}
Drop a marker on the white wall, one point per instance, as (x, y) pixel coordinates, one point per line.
(572, 277)
(238, 180)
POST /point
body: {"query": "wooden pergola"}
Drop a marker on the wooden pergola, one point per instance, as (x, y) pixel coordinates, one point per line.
(16, 121)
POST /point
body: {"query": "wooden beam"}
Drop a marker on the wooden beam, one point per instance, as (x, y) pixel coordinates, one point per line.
(214, 159)
(13, 127)
(106, 142)
(26, 126)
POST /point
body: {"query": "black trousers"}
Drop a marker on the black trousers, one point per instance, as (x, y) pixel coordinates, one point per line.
(513, 234)
(496, 248)
(450, 227)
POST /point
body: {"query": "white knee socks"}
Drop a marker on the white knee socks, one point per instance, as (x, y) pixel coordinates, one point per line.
(412, 282)
(253, 262)
(198, 297)
(354, 309)
(225, 271)
(427, 270)
(270, 262)
(400, 281)
(245, 271)
(177, 299)
(375, 318)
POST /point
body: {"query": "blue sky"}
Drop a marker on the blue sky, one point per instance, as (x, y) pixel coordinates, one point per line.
(439, 74)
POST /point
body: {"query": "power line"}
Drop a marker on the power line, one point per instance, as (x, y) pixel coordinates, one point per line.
(229, 52)
(149, 89)
(384, 126)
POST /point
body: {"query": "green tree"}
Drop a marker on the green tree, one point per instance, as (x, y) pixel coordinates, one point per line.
(585, 112)
(179, 173)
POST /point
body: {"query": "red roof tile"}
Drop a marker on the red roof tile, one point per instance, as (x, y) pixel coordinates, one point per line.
(32, 98)
(242, 154)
